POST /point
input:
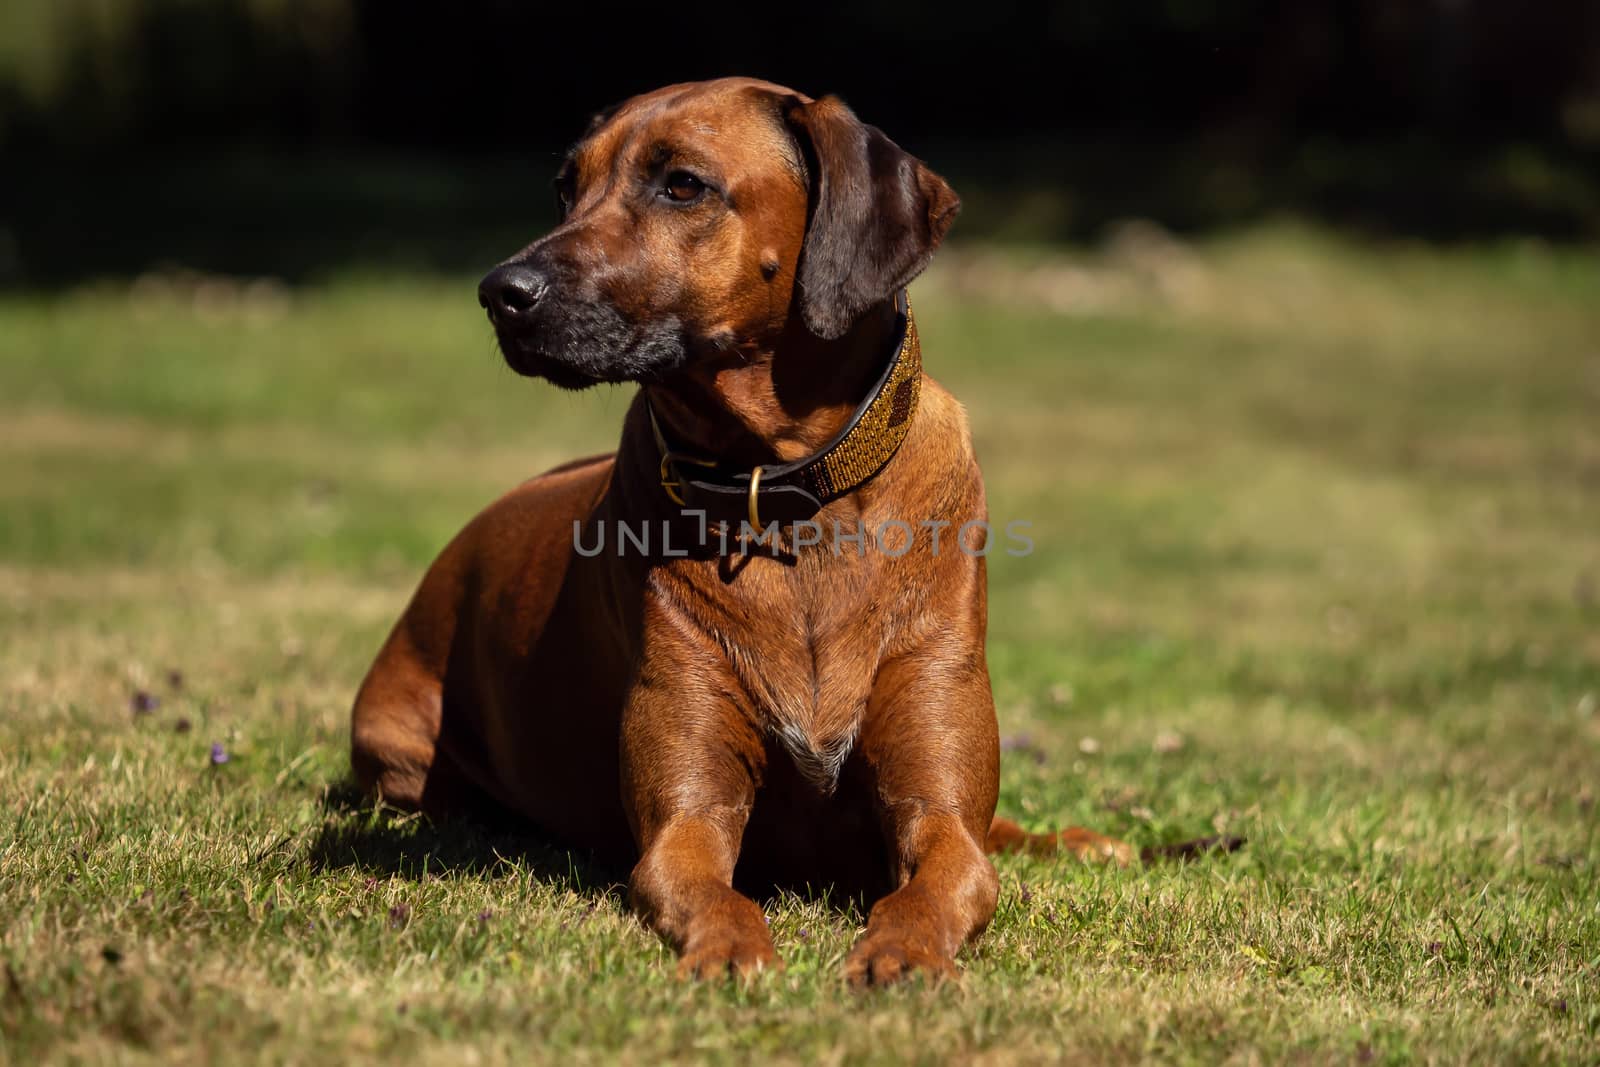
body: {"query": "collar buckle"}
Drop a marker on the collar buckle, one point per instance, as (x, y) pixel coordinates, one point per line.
(672, 481)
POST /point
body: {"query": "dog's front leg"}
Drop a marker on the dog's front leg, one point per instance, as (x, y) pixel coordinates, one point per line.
(689, 761)
(932, 746)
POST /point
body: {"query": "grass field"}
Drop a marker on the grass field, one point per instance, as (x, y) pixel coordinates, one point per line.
(1318, 562)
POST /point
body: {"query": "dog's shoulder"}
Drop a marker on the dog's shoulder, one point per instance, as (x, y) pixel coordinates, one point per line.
(937, 466)
(532, 524)
(943, 418)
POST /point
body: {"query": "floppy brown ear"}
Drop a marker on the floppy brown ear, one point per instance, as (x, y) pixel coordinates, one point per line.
(877, 215)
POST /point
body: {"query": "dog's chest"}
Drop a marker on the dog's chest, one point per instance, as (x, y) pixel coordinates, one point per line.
(806, 643)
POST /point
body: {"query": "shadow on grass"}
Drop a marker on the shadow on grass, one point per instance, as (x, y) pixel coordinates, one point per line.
(362, 835)
(359, 834)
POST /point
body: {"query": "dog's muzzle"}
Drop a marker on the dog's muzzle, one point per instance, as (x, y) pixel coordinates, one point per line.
(551, 325)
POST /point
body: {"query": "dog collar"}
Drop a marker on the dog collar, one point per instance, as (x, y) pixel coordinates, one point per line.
(791, 492)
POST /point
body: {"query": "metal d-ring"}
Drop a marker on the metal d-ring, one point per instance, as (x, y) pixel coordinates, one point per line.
(755, 484)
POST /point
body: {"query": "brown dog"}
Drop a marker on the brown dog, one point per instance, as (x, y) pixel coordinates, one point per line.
(812, 707)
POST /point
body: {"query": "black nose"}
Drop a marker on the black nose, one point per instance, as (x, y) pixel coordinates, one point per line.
(512, 290)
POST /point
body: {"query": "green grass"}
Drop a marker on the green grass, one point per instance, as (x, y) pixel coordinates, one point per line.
(1317, 563)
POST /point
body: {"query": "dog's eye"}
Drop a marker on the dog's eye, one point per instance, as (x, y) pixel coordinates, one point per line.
(682, 187)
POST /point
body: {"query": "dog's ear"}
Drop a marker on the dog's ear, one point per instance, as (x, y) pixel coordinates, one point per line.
(877, 213)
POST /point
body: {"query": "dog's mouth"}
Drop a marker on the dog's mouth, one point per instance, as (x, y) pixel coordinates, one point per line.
(531, 362)
(580, 347)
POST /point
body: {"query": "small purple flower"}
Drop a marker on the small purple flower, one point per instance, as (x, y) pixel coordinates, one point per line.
(803, 934)
(1027, 895)
(484, 916)
(219, 755)
(399, 915)
(144, 702)
(1022, 745)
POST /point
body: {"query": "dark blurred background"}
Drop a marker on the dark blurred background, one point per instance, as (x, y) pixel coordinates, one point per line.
(297, 137)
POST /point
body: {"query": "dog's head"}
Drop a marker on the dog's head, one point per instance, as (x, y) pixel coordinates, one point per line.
(699, 219)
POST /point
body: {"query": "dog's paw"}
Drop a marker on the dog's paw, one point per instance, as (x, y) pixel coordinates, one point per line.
(886, 958)
(728, 952)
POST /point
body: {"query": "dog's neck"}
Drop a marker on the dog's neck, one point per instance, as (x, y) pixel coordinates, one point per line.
(779, 402)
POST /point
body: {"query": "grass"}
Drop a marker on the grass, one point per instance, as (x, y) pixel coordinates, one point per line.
(1316, 563)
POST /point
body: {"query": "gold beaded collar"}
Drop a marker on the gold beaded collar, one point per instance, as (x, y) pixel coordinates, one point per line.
(791, 492)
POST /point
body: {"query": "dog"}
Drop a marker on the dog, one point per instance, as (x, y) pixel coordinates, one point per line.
(771, 670)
